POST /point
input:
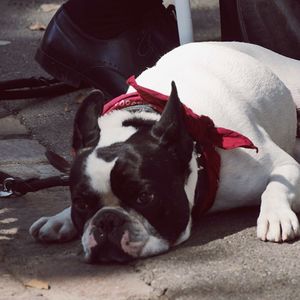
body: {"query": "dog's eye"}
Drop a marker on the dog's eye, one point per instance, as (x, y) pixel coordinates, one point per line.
(145, 198)
(81, 205)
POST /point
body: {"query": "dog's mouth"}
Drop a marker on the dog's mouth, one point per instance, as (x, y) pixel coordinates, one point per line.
(102, 248)
(113, 235)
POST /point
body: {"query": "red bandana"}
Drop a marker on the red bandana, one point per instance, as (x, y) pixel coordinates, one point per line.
(201, 128)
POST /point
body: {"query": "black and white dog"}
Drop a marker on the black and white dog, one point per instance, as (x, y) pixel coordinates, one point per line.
(134, 177)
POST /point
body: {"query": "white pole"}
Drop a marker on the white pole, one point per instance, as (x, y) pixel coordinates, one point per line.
(184, 21)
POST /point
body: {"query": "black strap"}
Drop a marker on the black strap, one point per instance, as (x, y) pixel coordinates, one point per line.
(10, 185)
(58, 162)
(16, 186)
(27, 88)
(3, 176)
(22, 187)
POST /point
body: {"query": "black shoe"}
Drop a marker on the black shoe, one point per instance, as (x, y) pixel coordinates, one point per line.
(76, 58)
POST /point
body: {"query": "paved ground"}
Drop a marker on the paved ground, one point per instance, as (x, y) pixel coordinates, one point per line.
(222, 260)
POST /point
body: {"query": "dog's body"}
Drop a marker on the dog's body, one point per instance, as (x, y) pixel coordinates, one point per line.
(240, 86)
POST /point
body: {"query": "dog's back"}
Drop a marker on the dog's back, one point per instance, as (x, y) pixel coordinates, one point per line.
(236, 90)
(285, 68)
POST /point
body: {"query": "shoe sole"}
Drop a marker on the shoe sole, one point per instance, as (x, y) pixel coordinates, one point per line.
(66, 74)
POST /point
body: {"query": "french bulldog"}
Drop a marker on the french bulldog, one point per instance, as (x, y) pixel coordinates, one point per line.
(136, 172)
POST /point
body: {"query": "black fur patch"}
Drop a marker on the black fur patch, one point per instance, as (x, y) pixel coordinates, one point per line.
(110, 152)
(138, 123)
(143, 167)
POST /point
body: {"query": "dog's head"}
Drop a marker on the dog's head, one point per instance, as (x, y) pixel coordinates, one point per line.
(128, 196)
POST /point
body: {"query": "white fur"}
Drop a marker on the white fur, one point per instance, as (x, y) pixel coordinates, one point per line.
(189, 188)
(286, 69)
(191, 182)
(86, 240)
(56, 228)
(112, 130)
(185, 234)
(98, 171)
(154, 246)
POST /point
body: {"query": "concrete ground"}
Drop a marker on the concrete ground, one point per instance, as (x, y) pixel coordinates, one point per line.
(222, 260)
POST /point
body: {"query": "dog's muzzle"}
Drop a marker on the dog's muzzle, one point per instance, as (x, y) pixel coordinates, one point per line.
(112, 235)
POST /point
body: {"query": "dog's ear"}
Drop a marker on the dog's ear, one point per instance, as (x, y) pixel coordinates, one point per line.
(86, 130)
(171, 126)
(171, 129)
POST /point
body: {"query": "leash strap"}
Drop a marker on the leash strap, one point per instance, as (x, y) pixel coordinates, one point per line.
(33, 87)
(14, 186)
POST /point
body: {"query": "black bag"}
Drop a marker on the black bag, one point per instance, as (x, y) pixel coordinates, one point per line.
(272, 24)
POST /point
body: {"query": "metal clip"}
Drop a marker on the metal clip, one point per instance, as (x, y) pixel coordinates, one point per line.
(6, 188)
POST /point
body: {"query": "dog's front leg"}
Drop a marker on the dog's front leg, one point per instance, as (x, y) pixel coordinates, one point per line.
(277, 221)
(57, 228)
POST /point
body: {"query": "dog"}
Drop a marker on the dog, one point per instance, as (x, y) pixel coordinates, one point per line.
(136, 178)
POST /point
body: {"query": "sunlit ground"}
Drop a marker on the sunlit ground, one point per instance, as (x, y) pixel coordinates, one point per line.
(10, 230)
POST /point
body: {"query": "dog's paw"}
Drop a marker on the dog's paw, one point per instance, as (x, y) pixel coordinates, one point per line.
(58, 228)
(278, 225)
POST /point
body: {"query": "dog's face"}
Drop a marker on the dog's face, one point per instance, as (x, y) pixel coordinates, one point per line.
(128, 198)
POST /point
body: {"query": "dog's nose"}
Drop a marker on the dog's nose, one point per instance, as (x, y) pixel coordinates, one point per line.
(108, 221)
(102, 238)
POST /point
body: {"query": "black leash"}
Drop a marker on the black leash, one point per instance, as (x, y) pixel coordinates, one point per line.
(33, 87)
(15, 186)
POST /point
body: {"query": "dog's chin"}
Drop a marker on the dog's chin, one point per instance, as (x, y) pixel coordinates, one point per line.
(115, 255)
(134, 240)
(99, 249)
